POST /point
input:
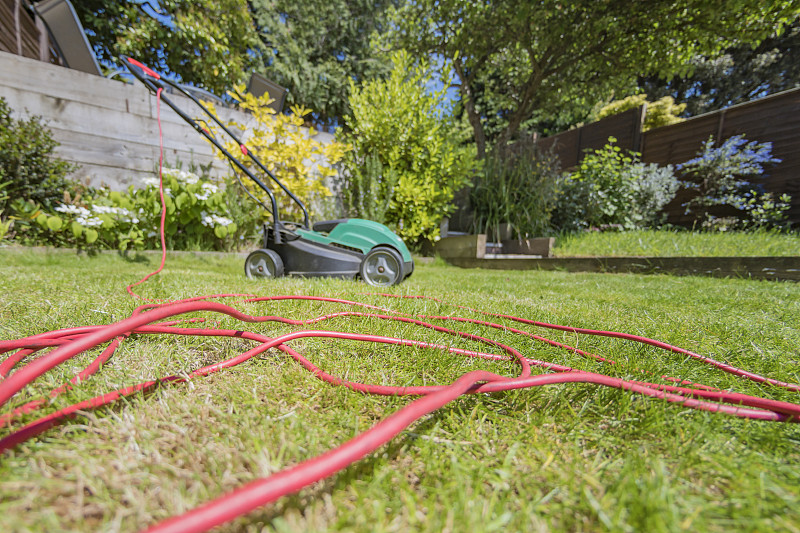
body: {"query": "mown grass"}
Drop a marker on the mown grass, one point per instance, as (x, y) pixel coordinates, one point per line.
(663, 243)
(567, 458)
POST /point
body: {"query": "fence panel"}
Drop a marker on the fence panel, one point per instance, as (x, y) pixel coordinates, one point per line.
(571, 145)
(565, 145)
(626, 127)
(775, 119)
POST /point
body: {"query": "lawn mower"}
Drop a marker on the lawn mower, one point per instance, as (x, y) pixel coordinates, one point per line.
(344, 248)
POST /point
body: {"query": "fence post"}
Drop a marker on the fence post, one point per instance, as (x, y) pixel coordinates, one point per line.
(638, 138)
(720, 125)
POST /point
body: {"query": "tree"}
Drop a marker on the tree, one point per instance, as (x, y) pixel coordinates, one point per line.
(742, 73)
(208, 43)
(316, 47)
(514, 59)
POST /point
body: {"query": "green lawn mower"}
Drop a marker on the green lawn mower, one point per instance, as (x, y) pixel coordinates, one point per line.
(345, 248)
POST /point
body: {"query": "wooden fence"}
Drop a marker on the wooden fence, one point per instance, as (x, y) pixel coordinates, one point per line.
(572, 145)
(775, 119)
(108, 127)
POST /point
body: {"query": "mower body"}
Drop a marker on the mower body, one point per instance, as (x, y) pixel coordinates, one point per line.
(335, 248)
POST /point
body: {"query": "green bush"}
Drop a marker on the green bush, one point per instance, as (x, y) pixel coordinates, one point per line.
(662, 112)
(27, 165)
(198, 217)
(725, 195)
(5, 225)
(400, 124)
(369, 187)
(518, 187)
(613, 188)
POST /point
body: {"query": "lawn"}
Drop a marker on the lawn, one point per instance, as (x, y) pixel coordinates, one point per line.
(662, 243)
(564, 457)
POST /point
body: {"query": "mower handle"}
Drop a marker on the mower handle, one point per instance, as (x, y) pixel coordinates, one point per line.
(153, 81)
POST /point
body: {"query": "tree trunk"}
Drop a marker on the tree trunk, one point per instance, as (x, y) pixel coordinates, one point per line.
(472, 114)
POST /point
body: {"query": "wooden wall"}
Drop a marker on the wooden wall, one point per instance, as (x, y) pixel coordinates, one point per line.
(572, 145)
(775, 118)
(108, 127)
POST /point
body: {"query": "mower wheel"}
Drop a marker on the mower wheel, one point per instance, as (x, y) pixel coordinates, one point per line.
(263, 264)
(382, 267)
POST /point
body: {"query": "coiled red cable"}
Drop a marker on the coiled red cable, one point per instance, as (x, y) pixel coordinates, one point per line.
(167, 319)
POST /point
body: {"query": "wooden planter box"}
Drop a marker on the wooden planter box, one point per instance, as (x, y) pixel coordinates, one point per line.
(476, 247)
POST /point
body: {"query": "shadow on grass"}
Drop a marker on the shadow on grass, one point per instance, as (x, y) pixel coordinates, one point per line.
(133, 257)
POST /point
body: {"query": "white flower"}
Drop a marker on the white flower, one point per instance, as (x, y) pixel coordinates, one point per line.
(108, 210)
(151, 181)
(209, 187)
(211, 221)
(181, 175)
(89, 221)
(188, 177)
(73, 210)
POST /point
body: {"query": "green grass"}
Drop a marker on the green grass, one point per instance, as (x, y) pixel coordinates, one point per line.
(650, 243)
(566, 458)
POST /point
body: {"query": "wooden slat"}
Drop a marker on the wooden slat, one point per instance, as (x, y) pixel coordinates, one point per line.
(625, 127)
(108, 127)
(8, 32)
(469, 246)
(10, 13)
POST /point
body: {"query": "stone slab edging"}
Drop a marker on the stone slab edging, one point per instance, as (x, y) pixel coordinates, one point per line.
(773, 267)
(786, 268)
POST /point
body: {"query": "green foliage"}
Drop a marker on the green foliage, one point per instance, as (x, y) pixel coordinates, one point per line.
(613, 188)
(197, 217)
(740, 74)
(210, 43)
(5, 225)
(368, 187)
(516, 59)
(726, 195)
(422, 163)
(517, 187)
(290, 151)
(316, 47)
(27, 165)
(662, 112)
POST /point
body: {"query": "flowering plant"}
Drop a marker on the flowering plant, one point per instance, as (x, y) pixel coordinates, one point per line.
(198, 216)
(722, 180)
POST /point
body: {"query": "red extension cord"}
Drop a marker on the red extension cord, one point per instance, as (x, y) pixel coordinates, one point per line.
(165, 319)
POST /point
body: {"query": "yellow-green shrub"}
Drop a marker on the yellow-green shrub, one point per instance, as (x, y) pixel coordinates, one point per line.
(287, 149)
